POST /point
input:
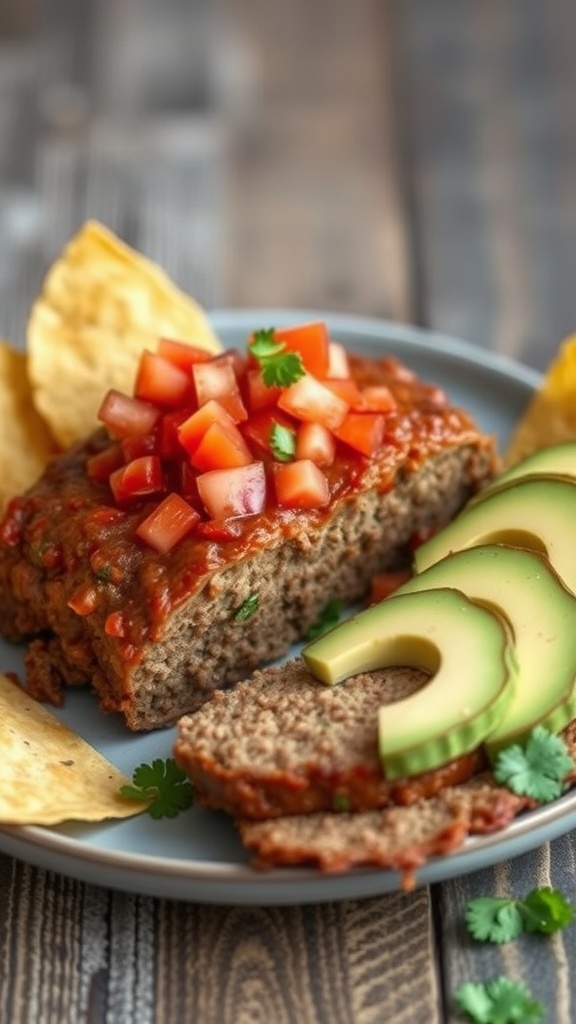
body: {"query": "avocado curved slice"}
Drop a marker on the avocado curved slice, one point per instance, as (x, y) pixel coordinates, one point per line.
(533, 512)
(558, 459)
(523, 587)
(465, 647)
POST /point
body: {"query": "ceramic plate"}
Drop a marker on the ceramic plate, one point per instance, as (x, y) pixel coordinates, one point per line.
(197, 856)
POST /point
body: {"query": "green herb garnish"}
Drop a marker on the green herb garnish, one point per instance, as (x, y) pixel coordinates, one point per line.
(539, 769)
(282, 442)
(162, 783)
(248, 608)
(279, 367)
(340, 803)
(544, 910)
(326, 620)
(500, 1001)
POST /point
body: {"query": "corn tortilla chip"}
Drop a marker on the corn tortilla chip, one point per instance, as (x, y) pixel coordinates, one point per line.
(551, 414)
(25, 440)
(101, 304)
(49, 774)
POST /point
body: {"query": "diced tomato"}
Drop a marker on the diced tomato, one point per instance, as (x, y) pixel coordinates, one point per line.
(363, 431)
(375, 398)
(192, 430)
(138, 444)
(311, 401)
(180, 354)
(240, 491)
(259, 396)
(99, 466)
(160, 381)
(168, 523)
(385, 583)
(141, 477)
(217, 380)
(237, 360)
(338, 364)
(219, 529)
(311, 342)
(169, 440)
(345, 388)
(258, 429)
(185, 483)
(315, 442)
(84, 600)
(221, 447)
(300, 484)
(124, 415)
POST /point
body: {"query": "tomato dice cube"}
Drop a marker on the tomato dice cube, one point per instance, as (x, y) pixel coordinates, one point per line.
(311, 401)
(221, 447)
(338, 364)
(240, 491)
(160, 381)
(259, 395)
(180, 354)
(258, 429)
(217, 380)
(99, 466)
(124, 415)
(300, 484)
(363, 431)
(376, 398)
(311, 342)
(138, 444)
(315, 442)
(168, 523)
(169, 440)
(192, 430)
(137, 479)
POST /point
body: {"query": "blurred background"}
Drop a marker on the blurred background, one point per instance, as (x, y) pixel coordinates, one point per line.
(397, 158)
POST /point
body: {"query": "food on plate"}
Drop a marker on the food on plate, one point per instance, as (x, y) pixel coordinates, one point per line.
(550, 416)
(26, 443)
(101, 304)
(48, 774)
(274, 480)
(557, 458)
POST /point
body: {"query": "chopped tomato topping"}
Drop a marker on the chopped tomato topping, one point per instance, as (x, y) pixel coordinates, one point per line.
(310, 400)
(311, 342)
(221, 447)
(377, 398)
(300, 484)
(137, 479)
(344, 388)
(259, 395)
(180, 354)
(362, 431)
(193, 429)
(135, 445)
(99, 466)
(169, 443)
(218, 381)
(240, 491)
(168, 523)
(124, 415)
(258, 428)
(385, 583)
(338, 365)
(315, 442)
(159, 380)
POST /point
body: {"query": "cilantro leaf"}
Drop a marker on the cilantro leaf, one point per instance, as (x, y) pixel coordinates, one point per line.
(248, 608)
(279, 367)
(539, 769)
(282, 442)
(164, 784)
(500, 1001)
(491, 919)
(328, 618)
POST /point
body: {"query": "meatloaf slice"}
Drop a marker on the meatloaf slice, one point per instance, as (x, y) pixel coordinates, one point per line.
(281, 743)
(154, 634)
(398, 838)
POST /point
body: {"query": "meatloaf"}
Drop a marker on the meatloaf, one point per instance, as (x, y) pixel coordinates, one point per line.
(155, 633)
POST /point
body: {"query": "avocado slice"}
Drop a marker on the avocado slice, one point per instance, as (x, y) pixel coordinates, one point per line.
(534, 512)
(557, 458)
(464, 646)
(523, 587)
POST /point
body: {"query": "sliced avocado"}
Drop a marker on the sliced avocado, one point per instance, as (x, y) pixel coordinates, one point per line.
(557, 458)
(523, 587)
(534, 512)
(442, 632)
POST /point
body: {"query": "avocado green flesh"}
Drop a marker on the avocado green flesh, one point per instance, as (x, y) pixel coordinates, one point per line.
(558, 458)
(539, 511)
(523, 588)
(440, 631)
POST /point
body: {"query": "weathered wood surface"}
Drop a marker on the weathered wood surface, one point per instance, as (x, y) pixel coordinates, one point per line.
(410, 160)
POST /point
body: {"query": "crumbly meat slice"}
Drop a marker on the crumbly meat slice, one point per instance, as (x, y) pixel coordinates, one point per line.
(398, 838)
(281, 743)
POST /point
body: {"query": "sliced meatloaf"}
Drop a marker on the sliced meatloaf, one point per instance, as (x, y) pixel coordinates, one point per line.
(281, 743)
(154, 634)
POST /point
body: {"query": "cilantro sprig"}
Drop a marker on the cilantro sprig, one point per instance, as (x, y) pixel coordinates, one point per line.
(539, 769)
(279, 367)
(544, 910)
(499, 1001)
(164, 784)
(282, 442)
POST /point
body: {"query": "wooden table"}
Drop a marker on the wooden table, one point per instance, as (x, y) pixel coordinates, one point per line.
(409, 160)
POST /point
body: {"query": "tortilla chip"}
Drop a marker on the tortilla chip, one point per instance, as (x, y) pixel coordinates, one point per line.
(102, 303)
(25, 441)
(551, 414)
(49, 774)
